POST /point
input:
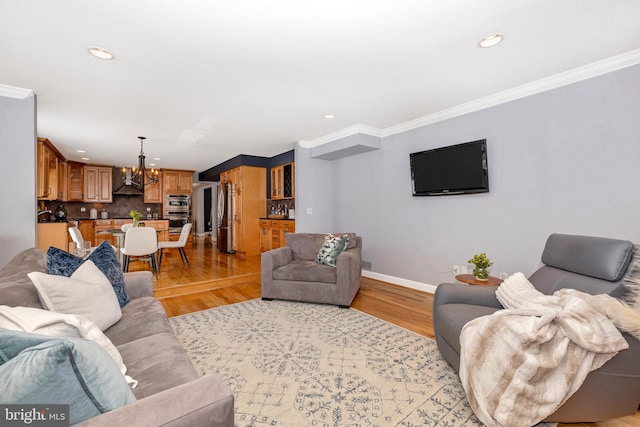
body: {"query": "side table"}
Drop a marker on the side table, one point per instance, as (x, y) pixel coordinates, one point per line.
(471, 280)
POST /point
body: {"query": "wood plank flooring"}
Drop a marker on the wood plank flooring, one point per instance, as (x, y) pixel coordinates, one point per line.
(214, 279)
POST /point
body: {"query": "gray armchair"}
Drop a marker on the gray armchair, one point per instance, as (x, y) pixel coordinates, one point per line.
(291, 272)
(590, 264)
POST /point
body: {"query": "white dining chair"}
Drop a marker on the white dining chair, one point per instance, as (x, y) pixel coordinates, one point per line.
(126, 226)
(76, 236)
(179, 244)
(140, 242)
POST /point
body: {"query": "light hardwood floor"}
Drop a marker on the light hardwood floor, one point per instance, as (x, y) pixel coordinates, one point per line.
(215, 279)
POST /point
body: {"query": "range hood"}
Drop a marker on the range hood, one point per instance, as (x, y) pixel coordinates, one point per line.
(128, 189)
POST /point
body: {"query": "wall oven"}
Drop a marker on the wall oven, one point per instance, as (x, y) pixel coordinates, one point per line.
(177, 209)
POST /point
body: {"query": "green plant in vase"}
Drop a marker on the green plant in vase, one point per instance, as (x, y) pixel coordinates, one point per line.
(135, 215)
(482, 263)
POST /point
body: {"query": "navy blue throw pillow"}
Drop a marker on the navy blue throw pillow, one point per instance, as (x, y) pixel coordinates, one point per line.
(62, 263)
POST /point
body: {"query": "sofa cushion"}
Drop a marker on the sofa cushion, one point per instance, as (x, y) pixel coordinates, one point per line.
(69, 371)
(87, 293)
(306, 271)
(331, 248)
(158, 362)
(141, 318)
(63, 263)
(15, 287)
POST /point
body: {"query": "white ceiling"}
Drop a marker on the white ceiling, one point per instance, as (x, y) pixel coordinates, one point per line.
(206, 80)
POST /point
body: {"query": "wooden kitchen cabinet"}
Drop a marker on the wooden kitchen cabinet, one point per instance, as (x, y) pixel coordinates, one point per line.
(177, 181)
(98, 184)
(265, 235)
(153, 192)
(47, 170)
(70, 181)
(283, 181)
(86, 229)
(273, 233)
(52, 234)
(102, 231)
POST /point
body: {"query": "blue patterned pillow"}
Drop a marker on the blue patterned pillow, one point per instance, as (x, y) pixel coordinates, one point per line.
(331, 248)
(63, 263)
(72, 371)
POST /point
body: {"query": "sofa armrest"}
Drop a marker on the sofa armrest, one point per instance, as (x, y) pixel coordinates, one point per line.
(349, 274)
(138, 284)
(275, 258)
(206, 401)
(457, 293)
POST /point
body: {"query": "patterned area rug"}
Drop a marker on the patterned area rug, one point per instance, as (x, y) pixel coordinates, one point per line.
(293, 364)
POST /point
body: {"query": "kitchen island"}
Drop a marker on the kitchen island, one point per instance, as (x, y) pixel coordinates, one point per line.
(94, 230)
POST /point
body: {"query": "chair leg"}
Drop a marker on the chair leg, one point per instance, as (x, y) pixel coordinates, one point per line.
(154, 264)
(160, 261)
(126, 263)
(183, 256)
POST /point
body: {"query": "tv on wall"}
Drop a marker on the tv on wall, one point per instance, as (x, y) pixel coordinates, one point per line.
(456, 169)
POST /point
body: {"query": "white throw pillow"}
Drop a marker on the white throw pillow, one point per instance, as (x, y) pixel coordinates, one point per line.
(87, 292)
(49, 323)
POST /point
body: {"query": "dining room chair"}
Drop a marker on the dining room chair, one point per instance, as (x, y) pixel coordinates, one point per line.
(126, 226)
(140, 242)
(179, 244)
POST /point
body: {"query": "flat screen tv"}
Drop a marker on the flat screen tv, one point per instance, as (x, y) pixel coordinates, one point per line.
(456, 169)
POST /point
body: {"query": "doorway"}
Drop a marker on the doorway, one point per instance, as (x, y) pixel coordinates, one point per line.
(208, 227)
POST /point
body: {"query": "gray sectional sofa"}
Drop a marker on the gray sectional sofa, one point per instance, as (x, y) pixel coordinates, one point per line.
(170, 392)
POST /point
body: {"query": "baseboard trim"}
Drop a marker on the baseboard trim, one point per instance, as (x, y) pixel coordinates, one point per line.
(411, 284)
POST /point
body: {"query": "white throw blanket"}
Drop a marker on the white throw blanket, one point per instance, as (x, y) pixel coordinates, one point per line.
(520, 364)
(52, 324)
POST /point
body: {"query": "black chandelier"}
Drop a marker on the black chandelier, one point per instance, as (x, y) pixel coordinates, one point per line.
(141, 176)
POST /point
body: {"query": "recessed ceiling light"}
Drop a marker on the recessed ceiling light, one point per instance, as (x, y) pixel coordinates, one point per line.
(80, 151)
(156, 158)
(490, 40)
(101, 53)
(84, 158)
(329, 116)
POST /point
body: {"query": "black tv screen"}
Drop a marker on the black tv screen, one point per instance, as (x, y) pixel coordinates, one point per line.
(456, 169)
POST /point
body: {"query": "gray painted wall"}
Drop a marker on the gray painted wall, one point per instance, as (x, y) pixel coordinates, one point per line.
(564, 161)
(18, 176)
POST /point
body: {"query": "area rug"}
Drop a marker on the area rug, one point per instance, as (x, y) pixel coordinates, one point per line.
(296, 364)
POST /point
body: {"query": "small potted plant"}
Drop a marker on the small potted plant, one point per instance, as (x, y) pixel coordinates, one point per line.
(135, 215)
(482, 263)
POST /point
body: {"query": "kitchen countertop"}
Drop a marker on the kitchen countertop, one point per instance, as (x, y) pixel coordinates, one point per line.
(278, 219)
(128, 217)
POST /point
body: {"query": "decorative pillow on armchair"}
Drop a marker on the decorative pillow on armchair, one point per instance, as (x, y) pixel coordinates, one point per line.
(331, 248)
(63, 263)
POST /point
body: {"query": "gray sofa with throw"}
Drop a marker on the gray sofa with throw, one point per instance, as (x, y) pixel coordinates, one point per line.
(292, 273)
(589, 264)
(169, 390)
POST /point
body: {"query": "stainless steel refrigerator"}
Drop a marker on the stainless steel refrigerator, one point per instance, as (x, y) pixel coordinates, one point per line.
(225, 218)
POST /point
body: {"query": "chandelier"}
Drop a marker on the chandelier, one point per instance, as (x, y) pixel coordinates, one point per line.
(141, 176)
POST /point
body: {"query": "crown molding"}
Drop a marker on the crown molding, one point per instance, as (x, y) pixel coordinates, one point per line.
(558, 80)
(15, 92)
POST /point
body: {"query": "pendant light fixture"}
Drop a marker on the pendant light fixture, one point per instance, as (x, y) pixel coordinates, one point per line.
(141, 176)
